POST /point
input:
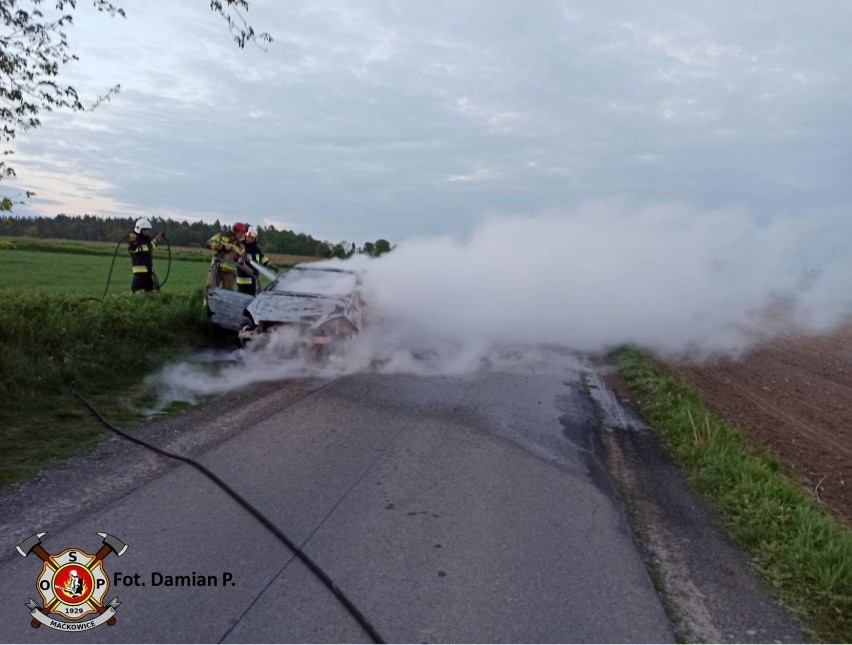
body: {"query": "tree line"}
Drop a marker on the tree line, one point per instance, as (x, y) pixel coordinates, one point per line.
(113, 229)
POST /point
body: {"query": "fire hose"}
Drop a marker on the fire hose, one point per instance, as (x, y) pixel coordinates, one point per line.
(157, 284)
(350, 606)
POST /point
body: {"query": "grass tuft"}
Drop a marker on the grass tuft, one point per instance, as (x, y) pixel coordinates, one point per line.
(102, 350)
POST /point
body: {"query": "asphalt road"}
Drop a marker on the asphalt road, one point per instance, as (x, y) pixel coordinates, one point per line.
(449, 509)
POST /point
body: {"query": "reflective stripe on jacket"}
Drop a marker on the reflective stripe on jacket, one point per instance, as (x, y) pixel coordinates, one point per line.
(225, 249)
(254, 253)
(140, 249)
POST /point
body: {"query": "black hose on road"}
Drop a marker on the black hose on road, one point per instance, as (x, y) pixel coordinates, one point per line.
(356, 613)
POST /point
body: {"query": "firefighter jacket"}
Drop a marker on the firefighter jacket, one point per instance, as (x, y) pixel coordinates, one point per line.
(226, 248)
(253, 253)
(141, 247)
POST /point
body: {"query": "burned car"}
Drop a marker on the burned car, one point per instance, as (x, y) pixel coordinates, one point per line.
(321, 302)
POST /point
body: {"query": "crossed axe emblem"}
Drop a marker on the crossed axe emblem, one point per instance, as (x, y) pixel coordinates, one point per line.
(32, 544)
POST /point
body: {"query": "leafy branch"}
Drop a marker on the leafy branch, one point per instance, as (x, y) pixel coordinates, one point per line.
(240, 29)
(34, 47)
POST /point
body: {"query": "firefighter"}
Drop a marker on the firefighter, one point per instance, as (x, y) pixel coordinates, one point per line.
(229, 247)
(141, 246)
(74, 586)
(250, 283)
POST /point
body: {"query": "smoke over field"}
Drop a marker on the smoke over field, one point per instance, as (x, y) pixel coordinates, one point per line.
(665, 277)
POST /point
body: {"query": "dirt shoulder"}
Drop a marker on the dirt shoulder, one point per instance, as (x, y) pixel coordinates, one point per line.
(710, 592)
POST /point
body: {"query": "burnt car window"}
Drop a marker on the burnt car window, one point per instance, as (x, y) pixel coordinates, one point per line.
(316, 282)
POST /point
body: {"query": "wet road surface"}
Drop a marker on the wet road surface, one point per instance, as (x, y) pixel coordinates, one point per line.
(448, 509)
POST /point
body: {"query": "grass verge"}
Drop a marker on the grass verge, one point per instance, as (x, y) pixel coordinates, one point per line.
(103, 350)
(803, 553)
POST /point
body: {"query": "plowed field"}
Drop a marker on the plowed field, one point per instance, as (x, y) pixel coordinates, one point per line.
(794, 394)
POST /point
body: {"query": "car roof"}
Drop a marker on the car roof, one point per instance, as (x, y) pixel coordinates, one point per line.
(318, 266)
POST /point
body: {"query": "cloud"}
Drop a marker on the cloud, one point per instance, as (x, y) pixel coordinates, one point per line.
(59, 190)
(375, 120)
(499, 119)
(692, 48)
(480, 174)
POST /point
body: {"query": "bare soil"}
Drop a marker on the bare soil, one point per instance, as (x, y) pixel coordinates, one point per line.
(794, 395)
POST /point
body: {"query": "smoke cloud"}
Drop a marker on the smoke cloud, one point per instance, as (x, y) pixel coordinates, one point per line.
(669, 278)
(672, 279)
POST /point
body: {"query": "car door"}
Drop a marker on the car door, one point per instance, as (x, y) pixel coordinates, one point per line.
(225, 308)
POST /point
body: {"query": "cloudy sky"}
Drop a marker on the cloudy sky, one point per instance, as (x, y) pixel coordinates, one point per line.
(394, 119)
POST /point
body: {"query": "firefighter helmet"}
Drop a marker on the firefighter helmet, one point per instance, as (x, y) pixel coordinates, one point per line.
(239, 227)
(141, 224)
(252, 232)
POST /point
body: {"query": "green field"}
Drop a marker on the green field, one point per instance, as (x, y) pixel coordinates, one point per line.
(82, 268)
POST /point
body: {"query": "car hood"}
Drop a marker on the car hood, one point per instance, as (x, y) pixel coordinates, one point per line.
(294, 308)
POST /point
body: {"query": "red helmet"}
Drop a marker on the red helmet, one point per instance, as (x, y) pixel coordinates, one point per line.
(239, 227)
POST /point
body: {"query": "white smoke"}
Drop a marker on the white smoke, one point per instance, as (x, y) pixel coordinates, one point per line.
(217, 372)
(669, 278)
